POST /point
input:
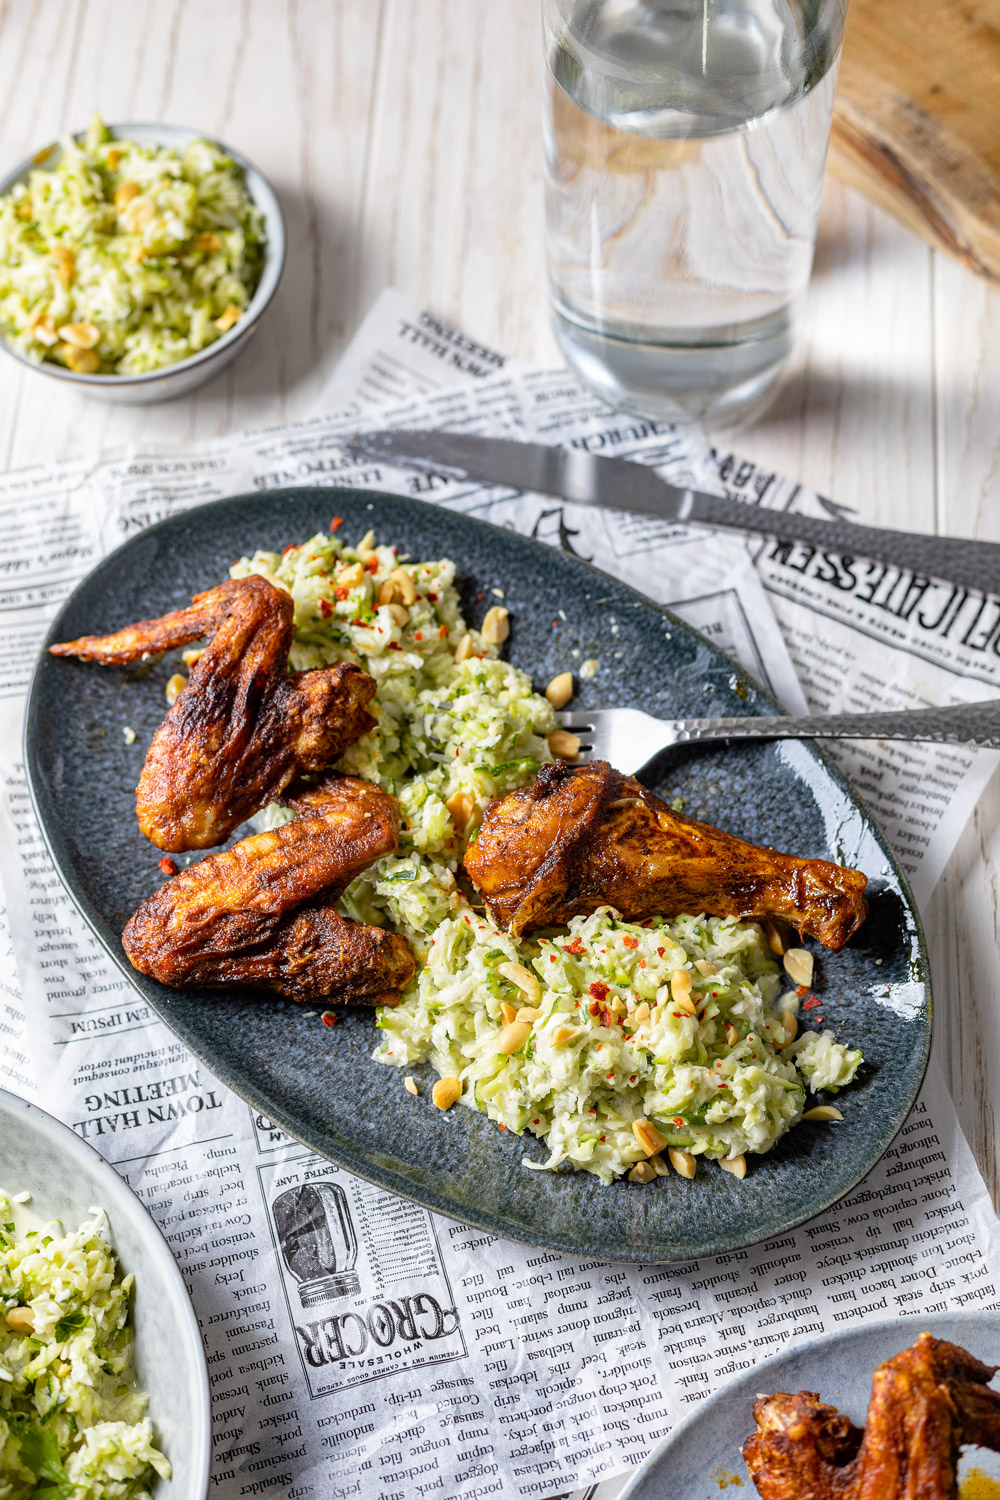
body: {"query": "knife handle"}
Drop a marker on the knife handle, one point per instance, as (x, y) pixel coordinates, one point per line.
(949, 724)
(966, 561)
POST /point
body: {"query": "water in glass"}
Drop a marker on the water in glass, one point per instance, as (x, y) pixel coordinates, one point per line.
(685, 145)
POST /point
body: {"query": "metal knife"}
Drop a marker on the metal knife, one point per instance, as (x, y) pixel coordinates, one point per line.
(618, 484)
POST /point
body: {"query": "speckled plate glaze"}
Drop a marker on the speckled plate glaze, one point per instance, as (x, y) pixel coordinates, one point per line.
(701, 1458)
(321, 1085)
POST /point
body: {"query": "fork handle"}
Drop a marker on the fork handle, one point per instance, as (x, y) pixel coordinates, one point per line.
(957, 724)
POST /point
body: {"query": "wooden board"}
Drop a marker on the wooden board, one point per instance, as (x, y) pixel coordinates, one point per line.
(917, 119)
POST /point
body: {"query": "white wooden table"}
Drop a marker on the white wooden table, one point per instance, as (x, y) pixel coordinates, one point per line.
(403, 137)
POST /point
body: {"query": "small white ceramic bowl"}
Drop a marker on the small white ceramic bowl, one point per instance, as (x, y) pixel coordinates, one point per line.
(66, 1177)
(186, 374)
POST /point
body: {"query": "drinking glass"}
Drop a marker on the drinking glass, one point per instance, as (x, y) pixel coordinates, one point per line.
(685, 143)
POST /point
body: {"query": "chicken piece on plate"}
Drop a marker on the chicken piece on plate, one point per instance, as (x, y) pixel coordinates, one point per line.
(241, 728)
(926, 1403)
(586, 836)
(263, 913)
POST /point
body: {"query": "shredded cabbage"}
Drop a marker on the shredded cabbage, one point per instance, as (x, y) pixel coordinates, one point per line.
(70, 1414)
(123, 258)
(457, 727)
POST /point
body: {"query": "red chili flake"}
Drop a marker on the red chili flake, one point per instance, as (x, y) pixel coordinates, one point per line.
(418, 635)
(329, 1019)
(819, 1020)
(325, 608)
(372, 564)
(642, 963)
(603, 1137)
(336, 523)
(534, 1122)
(443, 631)
(802, 990)
(812, 1003)
(631, 942)
(576, 946)
(678, 1121)
(592, 1111)
(609, 1075)
(433, 598)
(599, 990)
(394, 646)
(502, 1125)
(479, 596)
(289, 548)
(360, 623)
(723, 1085)
(552, 958)
(660, 952)
(168, 865)
(594, 1008)
(555, 624)
(341, 592)
(607, 1018)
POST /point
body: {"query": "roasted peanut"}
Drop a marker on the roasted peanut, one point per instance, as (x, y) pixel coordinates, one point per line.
(560, 690)
(446, 1091)
(648, 1136)
(496, 625)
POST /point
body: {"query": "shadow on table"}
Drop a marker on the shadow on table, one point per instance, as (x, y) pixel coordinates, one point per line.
(307, 324)
(846, 397)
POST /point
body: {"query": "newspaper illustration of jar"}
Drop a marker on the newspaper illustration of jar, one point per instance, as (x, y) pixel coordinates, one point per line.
(317, 1240)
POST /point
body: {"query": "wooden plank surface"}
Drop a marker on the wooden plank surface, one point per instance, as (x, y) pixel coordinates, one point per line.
(917, 123)
(404, 139)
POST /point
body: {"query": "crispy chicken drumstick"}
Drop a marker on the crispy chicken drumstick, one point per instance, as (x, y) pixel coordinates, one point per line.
(926, 1403)
(586, 836)
(263, 913)
(241, 729)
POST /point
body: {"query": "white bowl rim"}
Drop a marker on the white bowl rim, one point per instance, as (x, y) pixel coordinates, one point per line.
(261, 192)
(70, 1144)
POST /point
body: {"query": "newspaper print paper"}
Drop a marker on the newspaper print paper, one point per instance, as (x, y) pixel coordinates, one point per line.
(358, 1345)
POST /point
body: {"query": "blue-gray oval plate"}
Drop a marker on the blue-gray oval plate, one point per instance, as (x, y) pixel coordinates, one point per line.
(701, 1457)
(321, 1085)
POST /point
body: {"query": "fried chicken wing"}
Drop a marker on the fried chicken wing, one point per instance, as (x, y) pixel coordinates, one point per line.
(586, 836)
(926, 1403)
(241, 729)
(263, 913)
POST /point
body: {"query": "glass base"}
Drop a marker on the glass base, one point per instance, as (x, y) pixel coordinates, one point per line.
(714, 385)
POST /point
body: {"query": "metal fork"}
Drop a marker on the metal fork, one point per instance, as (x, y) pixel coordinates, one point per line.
(630, 738)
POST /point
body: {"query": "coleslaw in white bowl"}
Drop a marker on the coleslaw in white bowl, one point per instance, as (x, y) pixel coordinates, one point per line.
(135, 259)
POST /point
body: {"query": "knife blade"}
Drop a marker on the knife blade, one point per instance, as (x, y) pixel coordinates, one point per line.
(620, 484)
